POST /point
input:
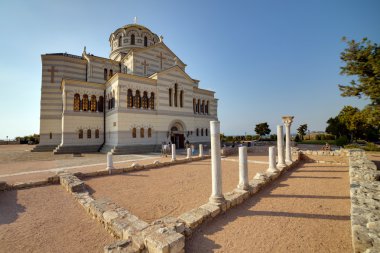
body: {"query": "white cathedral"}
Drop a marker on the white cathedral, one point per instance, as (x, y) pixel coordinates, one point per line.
(130, 103)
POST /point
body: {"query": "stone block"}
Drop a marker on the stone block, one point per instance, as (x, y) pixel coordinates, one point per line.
(164, 240)
(123, 246)
(232, 198)
(171, 223)
(109, 215)
(134, 226)
(99, 206)
(213, 209)
(149, 166)
(243, 193)
(195, 217)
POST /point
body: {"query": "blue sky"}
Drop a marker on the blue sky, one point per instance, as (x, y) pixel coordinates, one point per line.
(264, 59)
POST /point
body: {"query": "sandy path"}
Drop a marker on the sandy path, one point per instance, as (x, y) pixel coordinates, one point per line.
(47, 219)
(306, 211)
(152, 194)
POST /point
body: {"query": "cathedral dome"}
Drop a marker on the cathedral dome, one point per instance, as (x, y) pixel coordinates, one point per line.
(128, 37)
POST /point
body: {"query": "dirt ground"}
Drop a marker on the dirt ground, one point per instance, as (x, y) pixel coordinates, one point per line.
(47, 219)
(306, 211)
(186, 186)
(18, 164)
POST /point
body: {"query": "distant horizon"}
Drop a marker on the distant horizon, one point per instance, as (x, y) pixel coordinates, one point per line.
(263, 59)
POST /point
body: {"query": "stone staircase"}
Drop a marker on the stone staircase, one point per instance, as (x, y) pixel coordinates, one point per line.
(76, 149)
(43, 148)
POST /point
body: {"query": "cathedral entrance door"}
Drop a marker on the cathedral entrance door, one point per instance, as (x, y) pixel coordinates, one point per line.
(178, 140)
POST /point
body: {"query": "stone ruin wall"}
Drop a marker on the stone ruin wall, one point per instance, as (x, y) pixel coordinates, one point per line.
(365, 202)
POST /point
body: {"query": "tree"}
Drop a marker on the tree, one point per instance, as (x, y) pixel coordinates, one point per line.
(335, 127)
(262, 129)
(302, 130)
(362, 60)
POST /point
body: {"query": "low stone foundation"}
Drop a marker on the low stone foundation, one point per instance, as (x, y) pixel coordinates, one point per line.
(365, 202)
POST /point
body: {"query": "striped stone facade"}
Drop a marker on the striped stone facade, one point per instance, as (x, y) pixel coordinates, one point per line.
(132, 102)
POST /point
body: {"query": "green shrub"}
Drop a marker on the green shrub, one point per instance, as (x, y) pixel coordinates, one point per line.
(297, 138)
(341, 141)
(353, 146)
(371, 147)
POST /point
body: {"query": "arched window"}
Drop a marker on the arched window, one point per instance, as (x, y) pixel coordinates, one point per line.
(145, 100)
(145, 41)
(105, 74)
(175, 94)
(206, 130)
(93, 103)
(111, 73)
(120, 41)
(181, 98)
(97, 133)
(202, 132)
(141, 132)
(101, 104)
(51, 135)
(194, 103)
(129, 98)
(199, 106)
(149, 132)
(151, 101)
(134, 132)
(203, 106)
(137, 99)
(88, 133)
(170, 97)
(76, 102)
(197, 131)
(80, 134)
(132, 39)
(85, 103)
(207, 107)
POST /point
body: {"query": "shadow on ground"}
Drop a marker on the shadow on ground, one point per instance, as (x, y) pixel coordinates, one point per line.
(9, 208)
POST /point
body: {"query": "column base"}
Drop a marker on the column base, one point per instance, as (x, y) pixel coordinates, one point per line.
(273, 170)
(174, 159)
(281, 165)
(288, 162)
(217, 200)
(110, 170)
(244, 187)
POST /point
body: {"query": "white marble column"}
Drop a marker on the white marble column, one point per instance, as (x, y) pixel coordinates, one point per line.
(216, 164)
(272, 159)
(288, 153)
(188, 153)
(200, 150)
(280, 147)
(109, 163)
(174, 157)
(243, 169)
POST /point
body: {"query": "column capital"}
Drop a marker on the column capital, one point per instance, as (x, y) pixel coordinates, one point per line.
(288, 120)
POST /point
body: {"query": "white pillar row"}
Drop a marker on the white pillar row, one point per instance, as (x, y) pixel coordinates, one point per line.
(216, 162)
(243, 169)
(288, 154)
(188, 153)
(272, 159)
(174, 157)
(200, 150)
(109, 163)
(280, 147)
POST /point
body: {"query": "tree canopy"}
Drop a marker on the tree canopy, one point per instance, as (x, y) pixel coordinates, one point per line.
(353, 123)
(262, 129)
(362, 60)
(301, 130)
